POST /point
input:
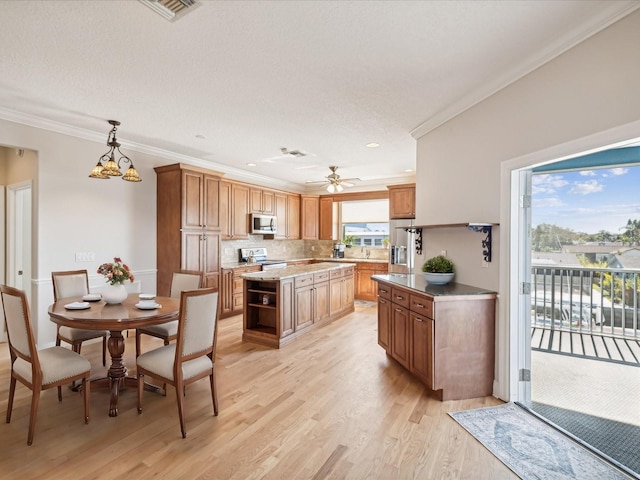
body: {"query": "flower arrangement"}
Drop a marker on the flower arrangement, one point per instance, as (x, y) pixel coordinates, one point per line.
(116, 272)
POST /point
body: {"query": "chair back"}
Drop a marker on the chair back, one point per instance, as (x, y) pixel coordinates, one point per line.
(19, 331)
(71, 283)
(185, 280)
(197, 328)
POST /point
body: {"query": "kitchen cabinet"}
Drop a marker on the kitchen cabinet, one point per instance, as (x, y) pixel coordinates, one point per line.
(231, 289)
(365, 287)
(443, 335)
(187, 224)
(287, 210)
(261, 201)
(309, 211)
(384, 323)
(280, 305)
(326, 230)
(341, 290)
(234, 210)
(402, 201)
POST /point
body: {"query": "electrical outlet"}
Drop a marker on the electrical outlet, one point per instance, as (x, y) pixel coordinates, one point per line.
(443, 253)
(313, 248)
(485, 264)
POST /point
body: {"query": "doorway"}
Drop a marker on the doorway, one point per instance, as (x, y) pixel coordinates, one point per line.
(566, 377)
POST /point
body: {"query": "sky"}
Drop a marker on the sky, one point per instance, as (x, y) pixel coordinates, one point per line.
(587, 201)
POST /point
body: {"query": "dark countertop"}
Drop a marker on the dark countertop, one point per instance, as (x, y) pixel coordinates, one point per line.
(419, 284)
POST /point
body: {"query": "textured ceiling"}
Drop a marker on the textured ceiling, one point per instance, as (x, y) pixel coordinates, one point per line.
(252, 77)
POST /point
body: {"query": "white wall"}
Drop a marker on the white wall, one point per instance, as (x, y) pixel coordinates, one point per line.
(590, 89)
(74, 213)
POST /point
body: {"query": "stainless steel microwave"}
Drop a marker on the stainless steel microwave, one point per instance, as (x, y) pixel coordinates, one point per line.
(263, 223)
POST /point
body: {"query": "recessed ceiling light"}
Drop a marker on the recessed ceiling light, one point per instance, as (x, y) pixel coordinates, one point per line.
(200, 137)
(409, 170)
(372, 145)
(251, 165)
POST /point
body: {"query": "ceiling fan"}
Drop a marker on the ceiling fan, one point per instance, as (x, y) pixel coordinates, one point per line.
(334, 182)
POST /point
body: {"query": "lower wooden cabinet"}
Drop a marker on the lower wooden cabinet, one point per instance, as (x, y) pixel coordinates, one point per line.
(384, 323)
(421, 358)
(446, 341)
(400, 335)
(232, 290)
(365, 287)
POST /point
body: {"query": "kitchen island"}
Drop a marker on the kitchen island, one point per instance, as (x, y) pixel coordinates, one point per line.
(443, 334)
(284, 303)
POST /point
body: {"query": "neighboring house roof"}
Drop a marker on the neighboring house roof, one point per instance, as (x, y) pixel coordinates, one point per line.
(593, 248)
(625, 261)
(555, 258)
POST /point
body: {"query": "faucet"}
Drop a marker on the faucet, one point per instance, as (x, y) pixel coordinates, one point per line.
(367, 252)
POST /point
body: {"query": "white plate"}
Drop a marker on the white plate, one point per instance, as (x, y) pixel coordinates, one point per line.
(144, 306)
(77, 306)
(92, 297)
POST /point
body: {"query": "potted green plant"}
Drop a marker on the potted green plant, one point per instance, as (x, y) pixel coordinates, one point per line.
(439, 270)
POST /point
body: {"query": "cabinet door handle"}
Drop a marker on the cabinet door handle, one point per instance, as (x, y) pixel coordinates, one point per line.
(419, 305)
(417, 319)
(398, 310)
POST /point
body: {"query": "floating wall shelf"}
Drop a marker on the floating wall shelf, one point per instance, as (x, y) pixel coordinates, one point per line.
(485, 228)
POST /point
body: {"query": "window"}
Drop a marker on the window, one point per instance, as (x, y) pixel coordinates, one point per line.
(365, 223)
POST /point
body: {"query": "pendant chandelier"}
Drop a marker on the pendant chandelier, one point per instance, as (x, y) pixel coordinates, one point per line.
(107, 165)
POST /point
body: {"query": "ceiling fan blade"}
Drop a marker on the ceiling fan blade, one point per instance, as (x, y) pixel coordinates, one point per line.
(347, 184)
(309, 182)
(350, 180)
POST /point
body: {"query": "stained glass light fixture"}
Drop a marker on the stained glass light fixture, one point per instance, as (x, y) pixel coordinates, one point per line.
(108, 167)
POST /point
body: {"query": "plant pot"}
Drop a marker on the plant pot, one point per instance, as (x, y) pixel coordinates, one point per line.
(114, 294)
(438, 278)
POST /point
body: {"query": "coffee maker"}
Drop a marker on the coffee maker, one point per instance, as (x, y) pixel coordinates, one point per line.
(338, 250)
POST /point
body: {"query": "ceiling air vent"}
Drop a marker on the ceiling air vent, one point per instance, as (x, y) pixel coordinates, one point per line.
(171, 9)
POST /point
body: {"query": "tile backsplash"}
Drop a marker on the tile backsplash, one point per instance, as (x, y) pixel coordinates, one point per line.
(295, 249)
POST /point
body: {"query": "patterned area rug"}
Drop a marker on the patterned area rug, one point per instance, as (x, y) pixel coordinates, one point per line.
(531, 448)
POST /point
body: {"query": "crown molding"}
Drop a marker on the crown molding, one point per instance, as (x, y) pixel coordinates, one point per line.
(570, 39)
(100, 137)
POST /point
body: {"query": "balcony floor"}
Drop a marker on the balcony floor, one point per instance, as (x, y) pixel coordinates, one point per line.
(591, 392)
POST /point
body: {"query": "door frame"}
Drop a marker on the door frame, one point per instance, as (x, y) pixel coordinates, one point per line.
(19, 234)
(513, 344)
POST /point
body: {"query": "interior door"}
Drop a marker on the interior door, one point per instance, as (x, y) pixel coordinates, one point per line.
(19, 237)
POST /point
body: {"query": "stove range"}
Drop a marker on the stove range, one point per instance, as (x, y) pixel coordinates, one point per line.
(258, 256)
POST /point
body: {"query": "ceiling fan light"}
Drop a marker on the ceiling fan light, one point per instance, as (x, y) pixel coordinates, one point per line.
(339, 187)
(331, 188)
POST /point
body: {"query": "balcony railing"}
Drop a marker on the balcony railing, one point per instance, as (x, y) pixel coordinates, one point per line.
(603, 301)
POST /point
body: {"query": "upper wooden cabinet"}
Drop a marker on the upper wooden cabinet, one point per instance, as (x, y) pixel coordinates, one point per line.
(261, 201)
(287, 210)
(188, 224)
(200, 193)
(402, 201)
(309, 211)
(326, 219)
(234, 210)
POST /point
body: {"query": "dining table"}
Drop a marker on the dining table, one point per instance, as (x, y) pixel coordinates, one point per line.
(98, 315)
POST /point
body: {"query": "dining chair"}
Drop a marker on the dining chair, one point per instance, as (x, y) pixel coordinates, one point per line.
(181, 280)
(68, 284)
(38, 369)
(192, 356)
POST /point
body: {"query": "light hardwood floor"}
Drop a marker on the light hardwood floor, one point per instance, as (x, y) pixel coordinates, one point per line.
(329, 405)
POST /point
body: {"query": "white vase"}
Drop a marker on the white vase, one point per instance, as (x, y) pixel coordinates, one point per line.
(114, 294)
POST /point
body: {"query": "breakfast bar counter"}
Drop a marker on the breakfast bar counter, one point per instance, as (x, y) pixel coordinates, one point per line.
(284, 303)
